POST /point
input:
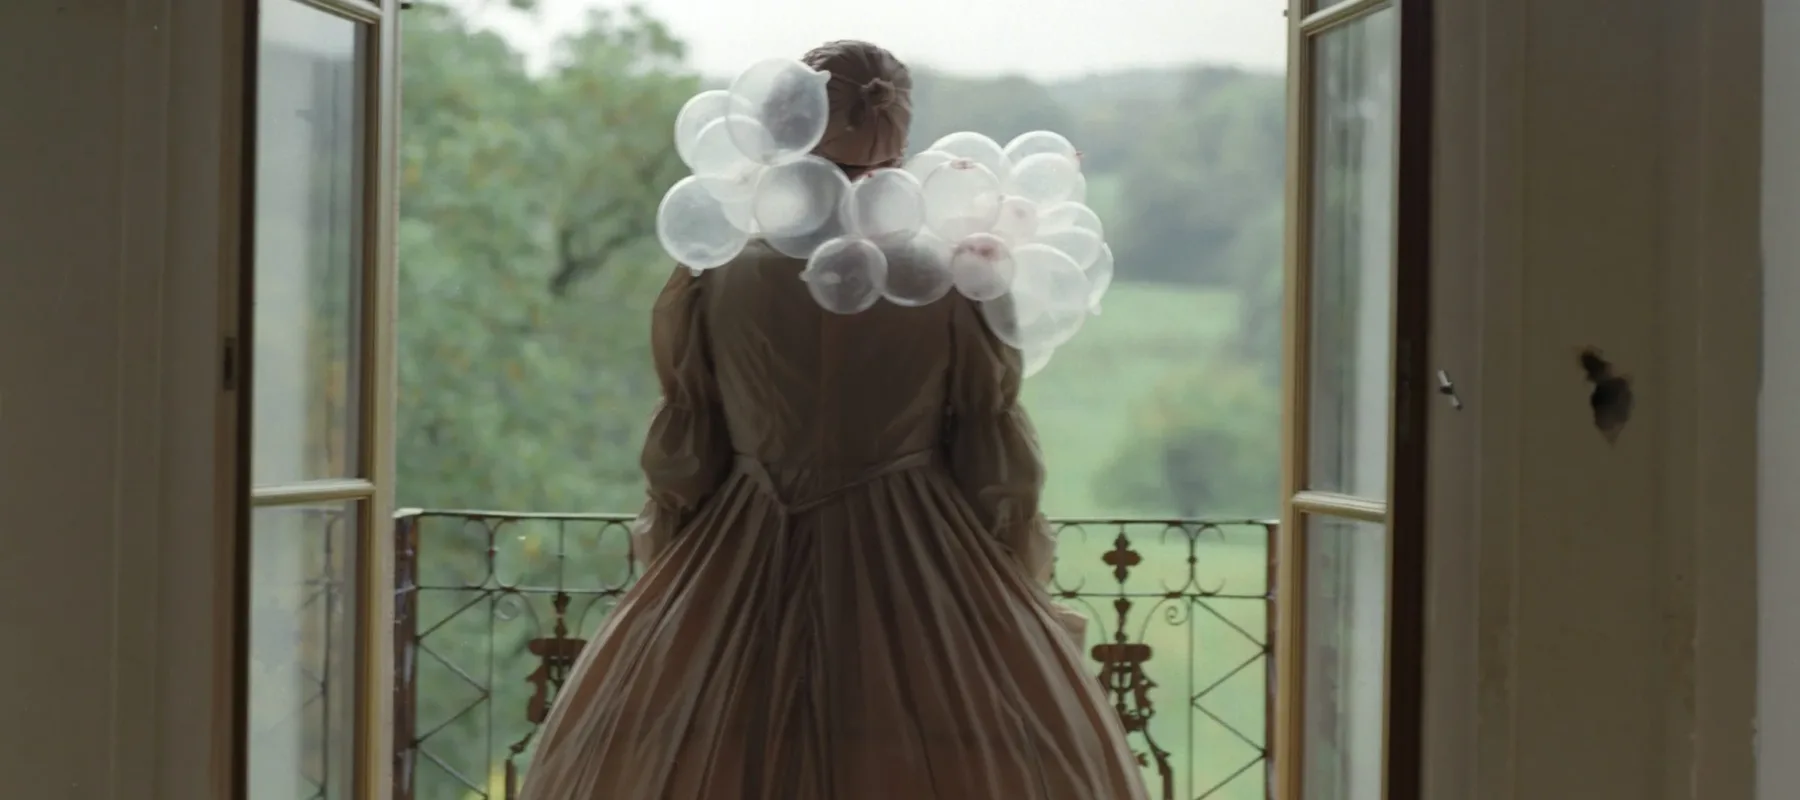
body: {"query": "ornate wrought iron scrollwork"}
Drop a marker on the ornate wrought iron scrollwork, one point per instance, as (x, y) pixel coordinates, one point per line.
(556, 655)
(1122, 671)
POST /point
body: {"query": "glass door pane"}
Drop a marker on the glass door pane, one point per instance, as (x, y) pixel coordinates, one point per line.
(1352, 254)
(1345, 658)
(314, 493)
(303, 651)
(309, 245)
(1337, 560)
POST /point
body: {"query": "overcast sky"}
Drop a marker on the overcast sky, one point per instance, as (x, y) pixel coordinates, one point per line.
(1040, 38)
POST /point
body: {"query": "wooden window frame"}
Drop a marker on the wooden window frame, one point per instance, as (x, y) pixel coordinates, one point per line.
(373, 489)
(1403, 510)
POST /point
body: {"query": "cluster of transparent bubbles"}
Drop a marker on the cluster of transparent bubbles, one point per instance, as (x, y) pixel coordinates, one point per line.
(1003, 225)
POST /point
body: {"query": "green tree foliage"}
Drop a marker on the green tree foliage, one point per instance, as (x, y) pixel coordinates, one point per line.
(1001, 107)
(1204, 444)
(528, 261)
(1203, 174)
(528, 264)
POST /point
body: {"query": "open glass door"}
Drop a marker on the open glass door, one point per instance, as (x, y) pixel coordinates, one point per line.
(1350, 519)
(320, 330)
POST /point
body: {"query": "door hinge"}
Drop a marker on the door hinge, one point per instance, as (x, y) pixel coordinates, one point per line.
(228, 364)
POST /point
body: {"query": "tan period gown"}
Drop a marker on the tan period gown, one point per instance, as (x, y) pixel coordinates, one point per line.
(844, 594)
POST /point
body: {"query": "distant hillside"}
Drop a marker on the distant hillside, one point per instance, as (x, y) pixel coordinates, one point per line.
(1144, 84)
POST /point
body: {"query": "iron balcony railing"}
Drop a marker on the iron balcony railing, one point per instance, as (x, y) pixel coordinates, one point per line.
(492, 608)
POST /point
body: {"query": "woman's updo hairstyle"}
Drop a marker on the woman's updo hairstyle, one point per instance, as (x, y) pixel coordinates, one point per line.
(870, 93)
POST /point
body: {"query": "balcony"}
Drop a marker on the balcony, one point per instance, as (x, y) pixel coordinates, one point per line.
(492, 609)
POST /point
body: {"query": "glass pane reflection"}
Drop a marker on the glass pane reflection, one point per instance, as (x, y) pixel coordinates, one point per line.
(309, 244)
(1345, 659)
(1352, 255)
(303, 641)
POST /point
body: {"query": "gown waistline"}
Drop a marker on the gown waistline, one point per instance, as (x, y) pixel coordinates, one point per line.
(759, 473)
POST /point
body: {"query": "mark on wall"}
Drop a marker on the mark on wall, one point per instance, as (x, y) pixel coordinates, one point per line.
(1611, 398)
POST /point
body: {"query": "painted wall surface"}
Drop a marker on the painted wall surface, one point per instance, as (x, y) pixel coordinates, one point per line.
(1592, 600)
(114, 180)
(1778, 700)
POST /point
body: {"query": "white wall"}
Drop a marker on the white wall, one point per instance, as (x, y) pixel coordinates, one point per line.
(116, 228)
(1591, 611)
(1778, 700)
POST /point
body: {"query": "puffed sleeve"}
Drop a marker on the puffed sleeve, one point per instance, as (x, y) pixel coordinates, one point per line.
(992, 448)
(993, 454)
(687, 451)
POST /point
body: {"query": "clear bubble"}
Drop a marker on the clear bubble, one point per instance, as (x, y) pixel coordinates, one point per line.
(961, 198)
(1035, 142)
(1044, 178)
(922, 164)
(739, 189)
(694, 228)
(723, 168)
(1080, 193)
(1100, 278)
(982, 266)
(798, 197)
(977, 148)
(887, 206)
(702, 110)
(918, 270)
(1036, 360)
(739, 213)
(1018, 220)
(803, 245)
(1071, 214)
(1047, 305)
(846, 276)
(788, 100)
(1079, 243)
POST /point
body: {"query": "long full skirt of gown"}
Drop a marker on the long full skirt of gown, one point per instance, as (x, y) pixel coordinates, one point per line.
(812, 633)
(909, 662)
